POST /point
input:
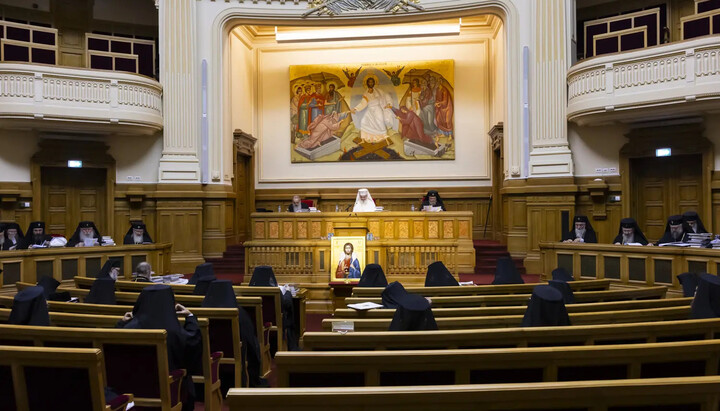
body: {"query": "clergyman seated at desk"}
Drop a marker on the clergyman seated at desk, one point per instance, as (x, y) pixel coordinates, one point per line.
(432, 202)
(36, 236)
(582, 232)
(630, 233)
(13, 238)
(364, 201)
(137, 234)
(86, 234)
(143, 273)
(694, 222)
(297, 205)
(675, 230)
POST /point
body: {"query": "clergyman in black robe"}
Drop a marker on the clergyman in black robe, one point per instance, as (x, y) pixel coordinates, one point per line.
(439, 276)
(85, 230)
(35, 236)
(413, 313)
(373, 276)
(506, 272)
(706, 303)
(297, 206)
(202, 272)
(13, 237)
(220, 294)
(694, 222)
(546, 308)
(50, 286)
(675, 230)
(30, 308)
(432, 198)
(137, 234)
(629, 232)
(155, 308)
(582, 231)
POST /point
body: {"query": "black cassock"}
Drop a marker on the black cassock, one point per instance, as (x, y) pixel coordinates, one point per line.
(639, 237)
(220, 294)
(19, 238)
(373, 276)
(264, 276)
(30, 239)
(412, 314)
(75, 238)
(439, 276)
(674, 220)
(588, 237)
(706, 303)
(155, 309)
(546, 308)
(129, 240)
(426, 200)
(102, 292)
(30, 307)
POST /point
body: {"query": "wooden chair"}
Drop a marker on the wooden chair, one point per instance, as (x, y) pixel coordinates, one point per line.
(582, 285)
(135, 361)
(456, 323)
(519, 310)
(521, 299)
(645, 394)
(636, 333)
(496, 365)
(210, 363)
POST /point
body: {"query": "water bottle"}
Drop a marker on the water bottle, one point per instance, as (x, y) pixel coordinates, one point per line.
(279, 209)
(412, 207)
(337, 208)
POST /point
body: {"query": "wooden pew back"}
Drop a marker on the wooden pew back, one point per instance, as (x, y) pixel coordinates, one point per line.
(582, 285)
(496, 365)
(38, 378)
(655, 393)
(125, 351)
(644, 332)
(497, 321)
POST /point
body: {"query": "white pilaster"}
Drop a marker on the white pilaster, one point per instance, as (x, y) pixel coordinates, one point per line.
(179, 75)
(550, 155)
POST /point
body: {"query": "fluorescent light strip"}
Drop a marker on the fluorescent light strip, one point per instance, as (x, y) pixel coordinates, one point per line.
(354, 33)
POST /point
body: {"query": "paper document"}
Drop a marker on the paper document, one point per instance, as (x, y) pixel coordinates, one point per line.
(364, 306)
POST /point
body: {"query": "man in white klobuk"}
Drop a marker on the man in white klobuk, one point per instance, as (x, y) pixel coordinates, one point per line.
(363, 201)
(376, 119)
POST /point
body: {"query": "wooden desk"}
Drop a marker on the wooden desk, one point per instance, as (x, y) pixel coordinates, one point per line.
(632, 265)
(64, 263)
(296, 244)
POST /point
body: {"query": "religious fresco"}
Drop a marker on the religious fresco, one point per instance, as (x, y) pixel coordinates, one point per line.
(372, 112)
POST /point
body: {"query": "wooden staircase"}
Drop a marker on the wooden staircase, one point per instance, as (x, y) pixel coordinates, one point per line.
(487, 252)
(231, 266)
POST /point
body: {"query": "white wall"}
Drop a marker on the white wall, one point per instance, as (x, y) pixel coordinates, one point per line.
(136, 156)
(596, 147)
(472, 111)
(16, 148)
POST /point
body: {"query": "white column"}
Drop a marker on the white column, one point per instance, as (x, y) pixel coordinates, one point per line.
(550, 155)
(179, 75)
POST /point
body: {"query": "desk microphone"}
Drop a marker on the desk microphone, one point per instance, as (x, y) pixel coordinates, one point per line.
(348, 207)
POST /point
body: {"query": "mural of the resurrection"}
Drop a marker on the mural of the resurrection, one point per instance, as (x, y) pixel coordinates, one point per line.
(372, 112)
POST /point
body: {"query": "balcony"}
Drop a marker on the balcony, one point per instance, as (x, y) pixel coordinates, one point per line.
(669, 80)
(68, 98)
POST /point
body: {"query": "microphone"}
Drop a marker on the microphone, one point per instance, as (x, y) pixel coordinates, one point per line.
(348, 207)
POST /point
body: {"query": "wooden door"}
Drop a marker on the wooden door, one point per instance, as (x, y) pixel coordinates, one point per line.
(71, 195)
(663, 186)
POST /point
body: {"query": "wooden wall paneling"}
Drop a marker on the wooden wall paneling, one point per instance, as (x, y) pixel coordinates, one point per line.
(180, 222)
(544, 224)
(214, 236)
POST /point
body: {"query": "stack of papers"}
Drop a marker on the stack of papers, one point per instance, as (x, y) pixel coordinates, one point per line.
(364, 306)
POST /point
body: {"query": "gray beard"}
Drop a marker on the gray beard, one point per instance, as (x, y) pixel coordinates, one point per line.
(138, 239)
(84, 237)
(676, 235)
(628, 239)
(580, 233)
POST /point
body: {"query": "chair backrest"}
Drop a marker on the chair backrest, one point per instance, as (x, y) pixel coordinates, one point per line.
(584, 285)
(309, 203)
(51, 378)
(646, 394)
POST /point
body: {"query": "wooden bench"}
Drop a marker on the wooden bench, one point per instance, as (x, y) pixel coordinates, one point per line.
(224, 327)
(270, 295)
(522, 299)
(456, 323)
(253, 305)
(690, 393)
(210, 362)
(135, 361)
(644, 332)
(496, 365)
(35, 378)
(583, 285)
(519, 310)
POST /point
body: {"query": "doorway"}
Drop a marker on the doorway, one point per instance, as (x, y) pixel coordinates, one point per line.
(71, 195)
(664, 186)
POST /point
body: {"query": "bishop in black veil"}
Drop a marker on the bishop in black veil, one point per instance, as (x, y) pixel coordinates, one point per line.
(30, 308)
(392, 294)
(689, 282)
(629, 232)
(35, 235)
(220, 294)
(202, 272)
(137, 234)
(706, 303)
(85, 230)
(432, 198)
(50, 285)
(675, 230)
(413, 314)
(13, 237)
(103, 288)
(546, 308)
(561, 274)
(564, 288)
(373, 276)
(506, 273)
(582, 231)
(264, 276)
(155, 308)
(439, 276)
(694, 222)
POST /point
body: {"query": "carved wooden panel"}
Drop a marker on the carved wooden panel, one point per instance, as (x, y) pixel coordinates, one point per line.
(287, 229)
(316, 232)
(388, 230)
(403, 229)
(448, 231)
(433, 229)
(259, 231)
(274, 229)
(418, 229)
(302, 232)
(72, 195)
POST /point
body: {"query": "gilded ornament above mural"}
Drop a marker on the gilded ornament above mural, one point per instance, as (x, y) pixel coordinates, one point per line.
(372, 111)
(335, 7)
